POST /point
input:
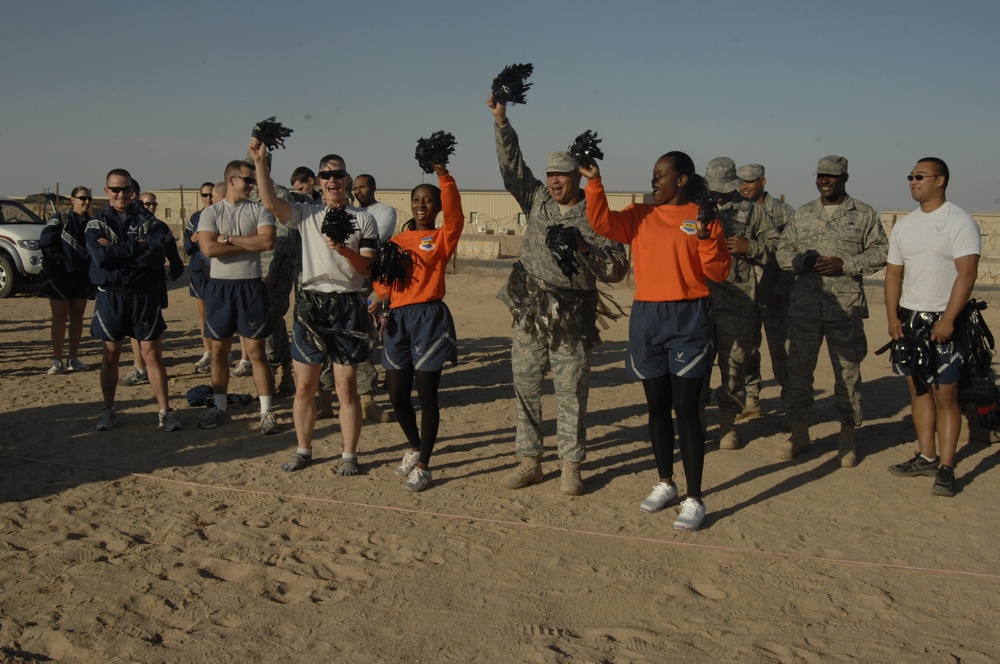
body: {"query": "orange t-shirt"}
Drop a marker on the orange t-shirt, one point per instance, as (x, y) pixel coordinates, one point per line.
(431, 250)
(671, 263)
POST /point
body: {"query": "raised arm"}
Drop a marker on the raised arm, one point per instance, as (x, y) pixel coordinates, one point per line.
(281, 209)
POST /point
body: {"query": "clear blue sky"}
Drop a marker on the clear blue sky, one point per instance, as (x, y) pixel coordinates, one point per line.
(171, 90)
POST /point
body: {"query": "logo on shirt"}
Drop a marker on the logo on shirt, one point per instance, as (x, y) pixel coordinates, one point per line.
(427, 243)
(689, 227)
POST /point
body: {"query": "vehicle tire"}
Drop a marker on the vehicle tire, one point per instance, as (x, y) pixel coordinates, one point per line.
(9, 278)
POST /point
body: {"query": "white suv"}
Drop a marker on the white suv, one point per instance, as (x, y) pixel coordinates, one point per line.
(20, 248)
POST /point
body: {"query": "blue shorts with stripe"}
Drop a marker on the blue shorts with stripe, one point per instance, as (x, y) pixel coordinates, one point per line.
(421, 336)
(68, 287)
(236, 305)
(121, 313)
(197, 283)
(345, 339)
(674, 338)
(947, 358)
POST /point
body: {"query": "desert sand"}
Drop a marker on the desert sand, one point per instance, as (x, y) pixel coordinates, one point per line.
(137, 545)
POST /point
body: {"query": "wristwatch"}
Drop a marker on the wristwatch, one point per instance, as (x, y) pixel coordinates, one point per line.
(224, 239)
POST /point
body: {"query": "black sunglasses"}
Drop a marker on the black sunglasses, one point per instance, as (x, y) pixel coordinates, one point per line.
(118, 190)
(150, 204)
(332, 175)
(85, 199)
(208, 195)
(920, 176)
(248, 180)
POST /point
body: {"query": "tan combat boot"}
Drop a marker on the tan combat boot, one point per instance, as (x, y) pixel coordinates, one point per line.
(324, 404)
(528, 472)
(751, 411)
(846, 455)
(287, 383)
(370, 409)
(570, 482)
(727, 432)
(796, 443)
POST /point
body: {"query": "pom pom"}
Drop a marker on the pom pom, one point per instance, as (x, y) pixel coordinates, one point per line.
(563, 242)
(271, 133)
(434, 150)
(584, 149)
(392, 266)
(338, 225)
(708, 209)
(510, 87)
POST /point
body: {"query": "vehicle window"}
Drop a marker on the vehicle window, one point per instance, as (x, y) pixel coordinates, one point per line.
(15, 213)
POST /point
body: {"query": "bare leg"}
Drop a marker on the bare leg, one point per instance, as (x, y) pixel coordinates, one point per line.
(152, 355)
(263, 378)
(304, 405)
(60, 311)
(111, 353)
(77, 308)
(345, 377)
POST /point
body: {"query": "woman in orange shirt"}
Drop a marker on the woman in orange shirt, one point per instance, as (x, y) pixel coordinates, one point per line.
(420, 333)
(670, 346)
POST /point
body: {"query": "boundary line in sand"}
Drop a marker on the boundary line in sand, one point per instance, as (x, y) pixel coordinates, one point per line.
(521, 524)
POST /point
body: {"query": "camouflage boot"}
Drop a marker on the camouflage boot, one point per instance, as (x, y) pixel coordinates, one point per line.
(324, 404)
(727, 432)
(846, 455)
(370, 409)
(797, 442)
(528, 472)
(570, 482)
(287, 383)
(751, 411)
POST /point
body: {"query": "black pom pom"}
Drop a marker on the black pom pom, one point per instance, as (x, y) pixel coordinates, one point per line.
(338, 225)
(563, 242)
(584, 149)
(510, 87)
(708, 209)
(434, 150)
(392, 266)
(271, 133)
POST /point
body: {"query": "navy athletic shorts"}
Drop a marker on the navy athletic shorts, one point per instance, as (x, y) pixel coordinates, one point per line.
(121, 313)
(346, 338)
(68, 287)
(948, 359)
(236, 305)
(421, 336)
(672, 338)
(197, 283)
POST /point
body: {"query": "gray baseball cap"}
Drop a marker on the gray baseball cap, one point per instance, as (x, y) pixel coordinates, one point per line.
(560, 162)
(720, 175)
(750, 172)
(831, 165)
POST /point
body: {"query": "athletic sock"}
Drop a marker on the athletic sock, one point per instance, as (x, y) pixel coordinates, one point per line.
(221, 402)
(304, 451)
(265, 403)
(351, 456)
(929, 459)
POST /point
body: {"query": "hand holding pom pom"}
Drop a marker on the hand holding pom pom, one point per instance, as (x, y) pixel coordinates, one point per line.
(271, 133)
(510, 87)
(434, 150)
(585, 150)
(338, 225)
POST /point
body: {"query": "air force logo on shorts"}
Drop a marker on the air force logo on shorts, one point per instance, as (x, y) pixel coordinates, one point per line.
(689, 227)
(427, 243)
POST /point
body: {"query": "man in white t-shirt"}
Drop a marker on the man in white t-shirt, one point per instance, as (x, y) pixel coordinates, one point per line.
(385, 215)
(232, 234)
(932, 266)
(331, 317)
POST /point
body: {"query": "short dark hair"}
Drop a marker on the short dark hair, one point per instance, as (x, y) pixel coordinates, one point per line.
(206, 184)
(302, 173)
(371, 181)
(696, 188)
(76, 191)
(331, 157)
(120, 172)
(235, 167)
(941, 166)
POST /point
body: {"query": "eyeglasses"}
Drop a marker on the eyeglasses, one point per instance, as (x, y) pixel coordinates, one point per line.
(338, 174)
(85, 199)
(150, 204)
(204, 195)
(119, 190)
(249, 180)
(920, 176)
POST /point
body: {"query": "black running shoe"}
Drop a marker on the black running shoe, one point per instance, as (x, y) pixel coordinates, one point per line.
(915, 467)
(944, 484)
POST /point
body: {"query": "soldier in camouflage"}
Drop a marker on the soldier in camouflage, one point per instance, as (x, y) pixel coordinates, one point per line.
(773, 292)
(281, 268)
(555, 316)
(830, 244)
(751, 239)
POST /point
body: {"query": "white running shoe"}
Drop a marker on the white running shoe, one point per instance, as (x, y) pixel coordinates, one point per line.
(204, 365)
(135, 377)
(691, 516)
(409, 463)
(169, 421)
(659, 498)
(268, 423)
(418, 480)
(76, 365)
(57, 368)
(242, 368)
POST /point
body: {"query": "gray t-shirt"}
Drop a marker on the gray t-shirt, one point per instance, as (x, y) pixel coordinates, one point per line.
(244, 219)
(385, 217)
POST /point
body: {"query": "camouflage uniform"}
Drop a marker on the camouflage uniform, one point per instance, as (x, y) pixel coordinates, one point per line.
(565, 308)
(282, 264)
(773, 292)
(734, 301)
(830, 307)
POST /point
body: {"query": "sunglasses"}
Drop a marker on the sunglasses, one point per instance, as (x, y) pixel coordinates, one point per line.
(150, 204)
(119, 190)
(920, 176)
(332, 175)
(85, 199)
(208, 195)
(249, 180)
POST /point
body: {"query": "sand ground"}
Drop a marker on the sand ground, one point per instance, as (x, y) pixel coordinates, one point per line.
(137, 545)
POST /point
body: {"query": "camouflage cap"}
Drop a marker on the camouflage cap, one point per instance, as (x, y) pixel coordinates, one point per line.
(560, 162)
(250, 162)
(831, 165)
(720, 175)
(750, 172)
